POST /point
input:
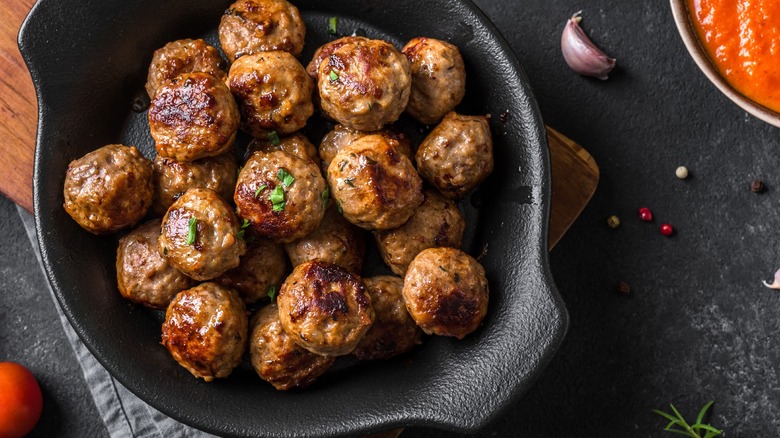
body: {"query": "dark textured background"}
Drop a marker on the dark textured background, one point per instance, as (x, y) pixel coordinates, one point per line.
(698, 325)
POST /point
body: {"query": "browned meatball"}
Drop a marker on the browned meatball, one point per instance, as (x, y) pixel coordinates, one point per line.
(296, 144)
(457, 155)
(438, 78)
(437, 222)
(108, 189)
(446, 292)
(183, 56)
(334, 241)
(277, 359)
(341, 136)
(394, 331)
(325, 308)
(376, 187)
(200, 235)
(173, 178)
(262, 268)
(323, 52)
(273, 93)
(281, 195)
(143, 274)
(206, 330)
(193, 116)
(251, 26)
(364, 84)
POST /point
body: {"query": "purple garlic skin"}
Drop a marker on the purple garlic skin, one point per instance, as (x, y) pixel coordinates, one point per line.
(581, 54)
(775, 282)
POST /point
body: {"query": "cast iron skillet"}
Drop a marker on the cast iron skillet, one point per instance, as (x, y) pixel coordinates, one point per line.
(88, 60)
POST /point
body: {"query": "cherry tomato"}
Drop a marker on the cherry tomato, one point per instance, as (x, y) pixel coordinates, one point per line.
(20, 400)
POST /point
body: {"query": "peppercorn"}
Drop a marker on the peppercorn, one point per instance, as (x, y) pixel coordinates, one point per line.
(757, 186)
(613, 221)
(681, 172)
(667, 229)
(623, 288)
(645, 214)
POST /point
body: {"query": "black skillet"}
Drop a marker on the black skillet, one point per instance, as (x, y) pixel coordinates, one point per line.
(88, 60)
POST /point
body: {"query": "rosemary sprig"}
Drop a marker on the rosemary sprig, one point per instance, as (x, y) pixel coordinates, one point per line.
(679, 426)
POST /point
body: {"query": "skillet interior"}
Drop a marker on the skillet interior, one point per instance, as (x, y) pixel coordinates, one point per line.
(88, 60)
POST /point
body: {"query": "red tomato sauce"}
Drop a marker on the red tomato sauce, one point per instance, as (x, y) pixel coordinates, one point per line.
(742, 38)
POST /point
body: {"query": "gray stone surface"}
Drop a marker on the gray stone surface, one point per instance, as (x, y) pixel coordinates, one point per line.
(698, 325)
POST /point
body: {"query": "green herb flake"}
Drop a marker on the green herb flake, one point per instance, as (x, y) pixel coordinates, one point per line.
(342, 164)
(273, 137)
(272, 292)
(165, 251)
(325, 195)
(338, 207)
(350, 182)
(334, 76)
(277, 198)
(192, 230)
(260, 189)
(333, 23)
(285, 177)
(678, 425)
(245, 224)
(370, 161)
(240, 235)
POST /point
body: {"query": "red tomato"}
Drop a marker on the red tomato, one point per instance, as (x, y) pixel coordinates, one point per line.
(20, 400)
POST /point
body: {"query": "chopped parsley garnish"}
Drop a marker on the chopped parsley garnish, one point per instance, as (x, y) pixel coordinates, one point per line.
(334, 76)
(350, 182)
(272, 292)
(277, 198)
(325, 195)
(260, 189)
(273, 137)
(244, 226)
(192, 230)
(165, 251)
(333, 25)
(338, 207)
(285, 177)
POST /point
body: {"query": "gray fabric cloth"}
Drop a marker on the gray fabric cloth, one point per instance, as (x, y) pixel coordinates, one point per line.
(124, 414)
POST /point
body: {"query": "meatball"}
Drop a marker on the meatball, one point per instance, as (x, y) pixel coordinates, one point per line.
(394, 331)
(282, 196)
(375, 186)
(200, 235)
(457, 154)
(296, 144)
(438, 78)
(108, 189)
(325, 308)
(446, 292)
(173, 178)
(143, 274)
(336, 241)
(273, 93)
(193, 116)
(206, 329)
(341, 136)
(183, 56)
(262, 268)
(251, 26)
(365, 84)
(437, 222)
(277, 359)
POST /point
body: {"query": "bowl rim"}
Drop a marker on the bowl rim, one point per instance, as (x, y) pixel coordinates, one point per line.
(682, 19)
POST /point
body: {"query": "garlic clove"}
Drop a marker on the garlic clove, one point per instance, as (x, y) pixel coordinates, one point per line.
(775, 282)
(581, 54)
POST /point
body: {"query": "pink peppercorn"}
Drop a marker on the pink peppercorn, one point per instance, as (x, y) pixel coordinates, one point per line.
(667, 230)
(645, 214)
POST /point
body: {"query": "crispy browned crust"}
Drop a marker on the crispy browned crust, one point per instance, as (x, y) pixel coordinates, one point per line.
(252, 26)
(183, 56)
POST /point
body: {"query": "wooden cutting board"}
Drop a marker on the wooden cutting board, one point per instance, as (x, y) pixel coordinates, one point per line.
(574, 171)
